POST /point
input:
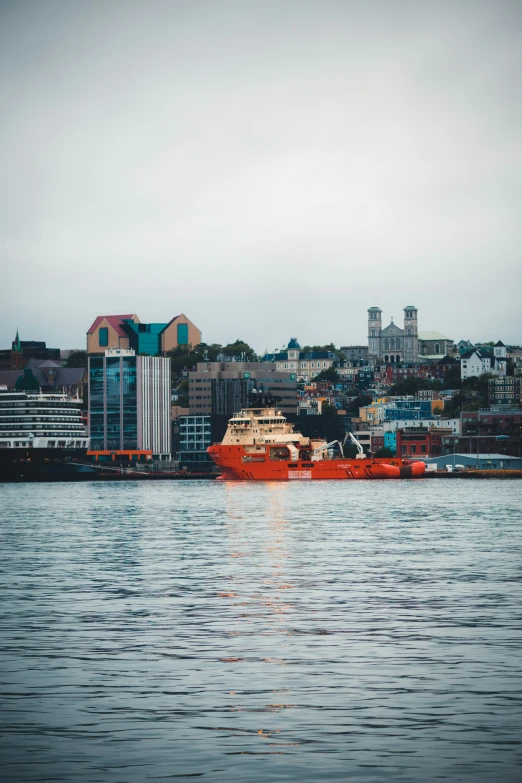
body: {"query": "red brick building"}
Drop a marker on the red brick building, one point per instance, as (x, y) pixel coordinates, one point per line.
(377, 442)
(420, 441)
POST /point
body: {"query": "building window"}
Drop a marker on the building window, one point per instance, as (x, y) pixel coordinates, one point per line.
(183, 334)
(437, 348)
(373, 332)
(103, 336)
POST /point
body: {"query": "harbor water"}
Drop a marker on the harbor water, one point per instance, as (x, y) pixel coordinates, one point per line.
(336, 631)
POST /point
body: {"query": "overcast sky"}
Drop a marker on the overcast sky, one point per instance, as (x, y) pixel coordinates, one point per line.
(271, 169)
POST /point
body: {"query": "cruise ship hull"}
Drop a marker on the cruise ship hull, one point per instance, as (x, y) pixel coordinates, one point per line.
(44, 465)
(238, 465)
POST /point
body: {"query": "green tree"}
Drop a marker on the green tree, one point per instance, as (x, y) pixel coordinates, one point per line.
(77, 359)
(330, 374)
(27, 382)
(328, 411)
(413, 385)
(472, 395)
(311, 348)
(452, 377)
(358, 402)
(238, 349)
(479, 385)
(185, 357)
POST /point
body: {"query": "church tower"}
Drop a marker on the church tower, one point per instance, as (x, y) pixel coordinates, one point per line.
(17, 353)
(374, 332)
(411, 334)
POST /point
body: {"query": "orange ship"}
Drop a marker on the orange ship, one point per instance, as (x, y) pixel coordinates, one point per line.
(260, 445)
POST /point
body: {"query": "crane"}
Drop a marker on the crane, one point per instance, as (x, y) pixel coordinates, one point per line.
(360, 450)
(327, 446)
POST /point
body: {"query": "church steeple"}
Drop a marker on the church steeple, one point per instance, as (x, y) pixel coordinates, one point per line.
(374, 332)
(411, 334)
(17, 345)
(17, 353)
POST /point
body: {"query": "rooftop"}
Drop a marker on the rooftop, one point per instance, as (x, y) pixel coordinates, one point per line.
(432, 336)
(113, 320)
(293, 344)
(473, 456)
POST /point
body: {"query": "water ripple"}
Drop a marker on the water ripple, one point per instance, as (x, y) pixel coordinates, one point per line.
(337, 631)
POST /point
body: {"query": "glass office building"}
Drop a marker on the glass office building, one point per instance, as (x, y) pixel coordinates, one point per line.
(129, 402)
(194, 440)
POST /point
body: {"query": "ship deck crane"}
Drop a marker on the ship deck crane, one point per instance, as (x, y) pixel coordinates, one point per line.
(327, 446)
(360, 450)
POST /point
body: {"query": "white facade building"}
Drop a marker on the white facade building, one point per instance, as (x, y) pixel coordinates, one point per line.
(477, 362)
(153, 393)
(440, 424)
(305, 365)
(473, 364)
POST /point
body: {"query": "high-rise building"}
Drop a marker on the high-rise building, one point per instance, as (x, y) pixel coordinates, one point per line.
(223, 388)
(129, 402)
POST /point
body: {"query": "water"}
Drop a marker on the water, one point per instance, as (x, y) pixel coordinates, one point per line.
(343, 631)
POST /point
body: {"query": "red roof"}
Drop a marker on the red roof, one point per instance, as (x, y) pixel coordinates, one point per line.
(112, 320)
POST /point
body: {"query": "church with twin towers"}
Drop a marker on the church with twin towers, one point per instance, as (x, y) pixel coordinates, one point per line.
(394, 344)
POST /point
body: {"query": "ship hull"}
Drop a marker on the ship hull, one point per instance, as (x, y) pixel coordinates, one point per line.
(44, 465)
(238, 465)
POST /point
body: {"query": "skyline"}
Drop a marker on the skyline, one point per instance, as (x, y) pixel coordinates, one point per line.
(269, 171)
(283, 345)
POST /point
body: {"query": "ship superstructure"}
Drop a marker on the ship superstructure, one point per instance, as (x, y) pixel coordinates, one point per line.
(260, 444)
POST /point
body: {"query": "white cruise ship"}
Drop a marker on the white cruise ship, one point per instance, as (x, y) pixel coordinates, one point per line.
(42, 436)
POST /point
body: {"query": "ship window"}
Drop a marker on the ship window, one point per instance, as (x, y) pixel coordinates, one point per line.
(280, 453)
